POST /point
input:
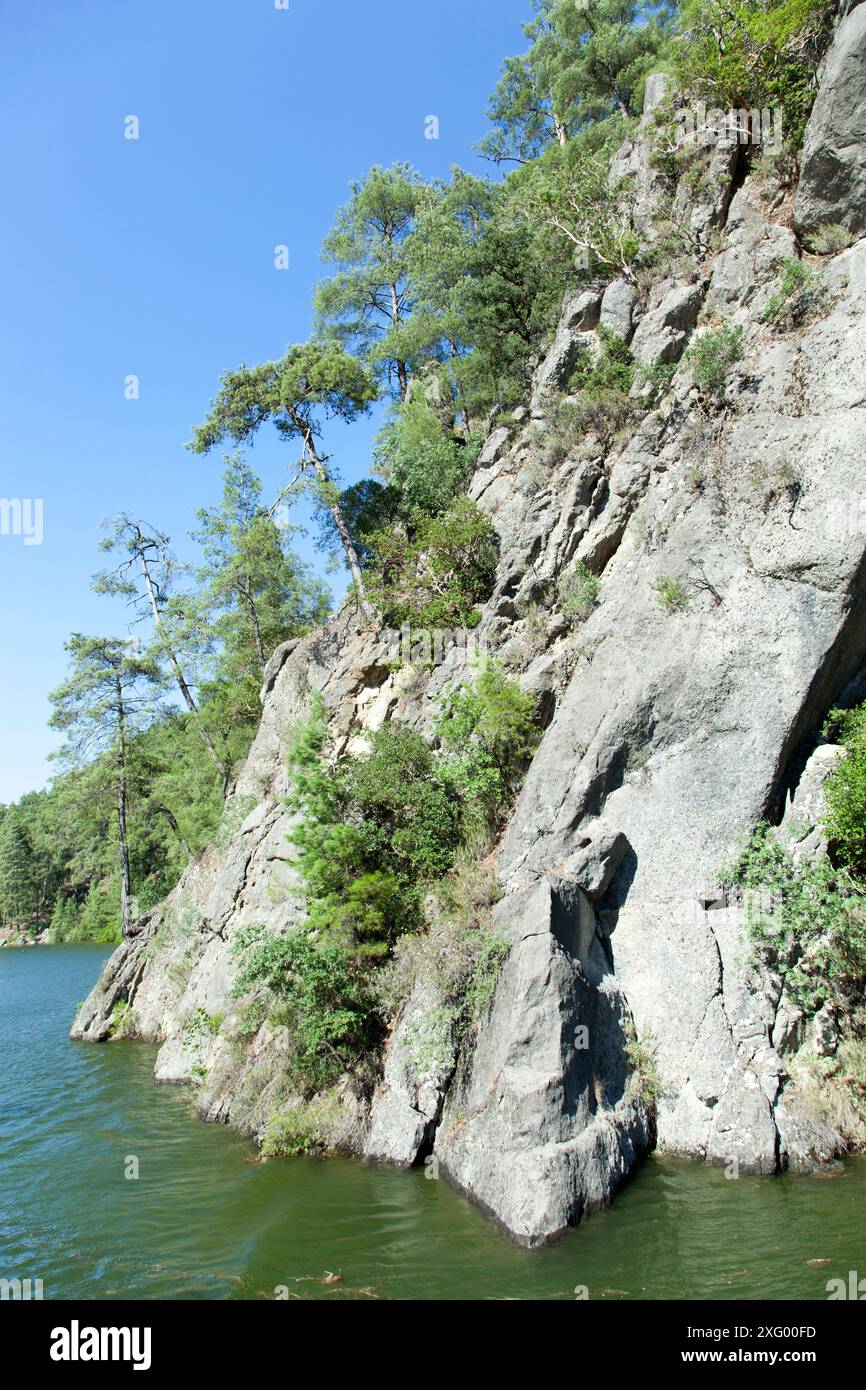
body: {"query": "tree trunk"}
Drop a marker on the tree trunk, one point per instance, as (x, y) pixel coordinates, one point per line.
(179, 676)
(122, 841)
(323, 477)
(462, 409)
(250, 602)
(172, 820)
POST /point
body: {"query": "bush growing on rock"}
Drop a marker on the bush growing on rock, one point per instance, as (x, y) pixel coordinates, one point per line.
(807, 922)
(829, 239)
(313, 988)
(671, 593)
(712, 355)
(434, 571)
(802, 295)
(747, 55)
(845, 792)
(577, 591)
(490, 733)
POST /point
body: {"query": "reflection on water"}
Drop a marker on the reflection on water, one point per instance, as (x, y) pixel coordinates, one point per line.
(205, 1220)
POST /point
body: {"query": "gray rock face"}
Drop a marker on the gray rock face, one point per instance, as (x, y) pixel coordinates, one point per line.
(618, 306)
(408, 1103)
(680, 729)
(551, 1117)
(573, 334)
(832, 188)
(664, 330)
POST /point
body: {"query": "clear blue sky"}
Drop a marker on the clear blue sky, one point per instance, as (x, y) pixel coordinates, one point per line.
(155, 257)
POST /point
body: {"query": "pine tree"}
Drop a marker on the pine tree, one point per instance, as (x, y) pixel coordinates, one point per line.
(109, 697)
(310, 380)
(587, 60)
(366, 304)
(254, 591)
(148, 554)
(20, 896)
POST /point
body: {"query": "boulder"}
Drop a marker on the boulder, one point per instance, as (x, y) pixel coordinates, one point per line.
(618, 306)
(664, 330)
(551, 1119)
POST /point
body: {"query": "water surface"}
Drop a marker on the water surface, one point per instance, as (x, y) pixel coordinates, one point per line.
(205, 1220)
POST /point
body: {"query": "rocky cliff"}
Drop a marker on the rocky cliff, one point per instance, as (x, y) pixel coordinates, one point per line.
(670, 728)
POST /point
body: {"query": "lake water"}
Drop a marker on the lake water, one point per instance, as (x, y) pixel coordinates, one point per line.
(205, 1220)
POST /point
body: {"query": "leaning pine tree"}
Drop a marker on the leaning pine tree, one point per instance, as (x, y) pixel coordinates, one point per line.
(310, 380)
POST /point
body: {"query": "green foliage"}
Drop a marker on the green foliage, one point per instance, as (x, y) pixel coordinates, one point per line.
(371, 831)
(434, 572)
(424, 461)
(288, 392)
(641, 1058)
(313, 988)
(253, 594)
(829, 239)
(600, 384)
(121, 1019)
(743, 56)
(365, 305)
(670, 593)
(569, 192)
(100, 918)
(489, 731)
(802, 295)
(657, 375)
(21, 895)
(845, 792)
(584, 61)
(806, 920)
(577, 591)
(64, 924)
(459, 959)
(299, 1130)
(712, 355)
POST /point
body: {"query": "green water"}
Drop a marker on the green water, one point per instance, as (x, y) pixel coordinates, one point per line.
(204, 1220)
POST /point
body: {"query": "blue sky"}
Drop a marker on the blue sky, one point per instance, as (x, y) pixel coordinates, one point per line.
(155, 257)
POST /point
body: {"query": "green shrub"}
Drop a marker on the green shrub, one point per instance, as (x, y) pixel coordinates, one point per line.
(490, 732)
(601, 384)
(121, 1019)
(64, 921)
(829, 239)
(299, 1130)
(373, 834)
(311, 986)
(845, 792)
(642, 1060)
(671, 594)
(370, 832)
(712, 355)
(742, 54)
(434, 571)
(611, 369)
(806, 920)
(459, 958)
(425, 463)
(657, 375)
(577, 591)
(802, 295)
